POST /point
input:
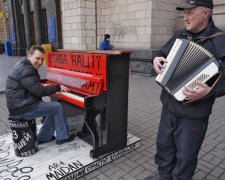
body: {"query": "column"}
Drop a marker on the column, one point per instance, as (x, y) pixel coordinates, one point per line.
(27, 23)
(37, 16)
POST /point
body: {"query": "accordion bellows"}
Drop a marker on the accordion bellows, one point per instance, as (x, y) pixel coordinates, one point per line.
(187, 63)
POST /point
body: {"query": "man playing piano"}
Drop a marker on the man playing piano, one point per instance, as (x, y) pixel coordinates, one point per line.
(182, 126)
(24, 91)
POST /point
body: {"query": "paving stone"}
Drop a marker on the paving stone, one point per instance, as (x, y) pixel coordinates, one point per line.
(137, 171)
(129, 177)
(124, 167)
(200, 175)
(217, 172)
(102, 177)
(222, 177)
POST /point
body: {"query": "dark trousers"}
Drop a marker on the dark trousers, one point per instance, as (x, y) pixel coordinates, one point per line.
(178, 143)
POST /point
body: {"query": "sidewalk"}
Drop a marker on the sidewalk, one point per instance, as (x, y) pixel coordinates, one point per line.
(6, 62)
(143, 119)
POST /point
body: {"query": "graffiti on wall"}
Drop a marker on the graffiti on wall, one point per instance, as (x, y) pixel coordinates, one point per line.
(121, 31)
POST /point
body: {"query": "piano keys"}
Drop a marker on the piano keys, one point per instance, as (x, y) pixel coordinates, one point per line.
(98, 83)
(72, 98)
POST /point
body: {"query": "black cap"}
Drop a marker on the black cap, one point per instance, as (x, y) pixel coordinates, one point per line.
(194, 3)
(107, 36)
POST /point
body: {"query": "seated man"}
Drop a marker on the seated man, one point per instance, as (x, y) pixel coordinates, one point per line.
(23, 95)
(105, 44)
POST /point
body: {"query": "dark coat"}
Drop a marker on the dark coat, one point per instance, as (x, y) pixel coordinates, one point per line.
(24, 88)
(216, 46)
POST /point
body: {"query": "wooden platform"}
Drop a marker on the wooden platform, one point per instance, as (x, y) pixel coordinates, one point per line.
(53, 162)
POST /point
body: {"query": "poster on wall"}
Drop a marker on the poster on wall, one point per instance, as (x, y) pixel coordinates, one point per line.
(12, 34)
(52, 30)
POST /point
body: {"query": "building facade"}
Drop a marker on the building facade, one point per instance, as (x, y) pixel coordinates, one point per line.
(142, 26)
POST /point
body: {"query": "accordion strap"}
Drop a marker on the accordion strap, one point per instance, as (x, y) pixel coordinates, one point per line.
(202, 39)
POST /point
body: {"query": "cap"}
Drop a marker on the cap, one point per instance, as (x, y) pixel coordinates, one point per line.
(188, 4)
(107, 36)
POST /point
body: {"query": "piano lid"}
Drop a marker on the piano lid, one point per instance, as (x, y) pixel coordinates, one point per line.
(110, 52)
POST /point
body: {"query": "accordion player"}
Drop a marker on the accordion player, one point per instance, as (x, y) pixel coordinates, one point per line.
(187, 63)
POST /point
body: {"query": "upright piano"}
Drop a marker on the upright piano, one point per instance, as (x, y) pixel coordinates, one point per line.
(98, 83)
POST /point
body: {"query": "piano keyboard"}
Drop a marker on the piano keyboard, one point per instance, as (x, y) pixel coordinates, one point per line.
(71, 98)
(70, 95)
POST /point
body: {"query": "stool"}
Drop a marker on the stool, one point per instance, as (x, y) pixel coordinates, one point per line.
(24, 134)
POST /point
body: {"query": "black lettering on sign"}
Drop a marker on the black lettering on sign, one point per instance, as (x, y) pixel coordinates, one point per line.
(23, 142)
(19, 125)
(60, 59)
(122, 152)
(56, 165)
(80, 60)
(71, 147)
(51, 176)
(97, 86)
(62, 169)
(98, 61)
(87, 62)
(75, 175)
(11, 166)
(97, 164)
(93, 63)
(74, 60)
(89, 86)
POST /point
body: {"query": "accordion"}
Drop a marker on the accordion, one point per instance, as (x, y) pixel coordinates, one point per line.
(187, 63)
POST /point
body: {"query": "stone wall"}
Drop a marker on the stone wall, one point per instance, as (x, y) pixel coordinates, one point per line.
(139, 25)
(128, 23)
(163, 21)
(78, 24)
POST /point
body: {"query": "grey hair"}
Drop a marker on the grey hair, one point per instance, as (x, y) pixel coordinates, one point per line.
(208, 9)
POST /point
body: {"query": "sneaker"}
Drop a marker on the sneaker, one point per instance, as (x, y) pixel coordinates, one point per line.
(71, 138)
(42, 142)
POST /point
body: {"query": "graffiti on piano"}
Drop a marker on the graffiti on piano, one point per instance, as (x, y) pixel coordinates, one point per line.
(75, 80)
(71, 147)
(11, 167)
(91, 64)
(86, 63)
(60, 58)
(78, 83)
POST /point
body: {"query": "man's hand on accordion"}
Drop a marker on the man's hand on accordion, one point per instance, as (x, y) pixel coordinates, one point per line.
(159, 64)
(197, 92)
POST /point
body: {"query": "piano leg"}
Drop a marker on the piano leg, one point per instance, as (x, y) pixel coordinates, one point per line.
(98, 149)
(90, 123)
(84, 131)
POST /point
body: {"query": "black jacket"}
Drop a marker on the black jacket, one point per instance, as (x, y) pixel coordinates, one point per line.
(216, 46)
(24, 88)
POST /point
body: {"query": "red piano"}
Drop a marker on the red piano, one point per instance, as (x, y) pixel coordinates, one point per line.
(98, 83)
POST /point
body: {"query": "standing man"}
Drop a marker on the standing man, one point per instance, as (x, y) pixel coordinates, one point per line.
(183, 127)
(24, 91)
(105, 44)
